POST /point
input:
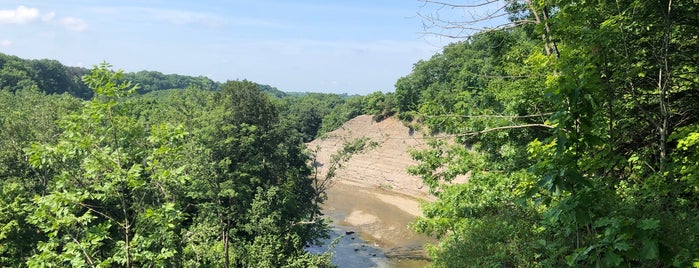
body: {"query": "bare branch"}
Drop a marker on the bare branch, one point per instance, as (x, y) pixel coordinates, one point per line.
(465, 20)
(82, 248)
(90, 208)
(445, 4)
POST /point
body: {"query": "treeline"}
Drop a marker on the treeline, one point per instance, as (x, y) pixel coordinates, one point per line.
(578, 132)
(318, 113)
(145, 169)
(184, 178)
(52, 77)
(313, 113)
(48, 75)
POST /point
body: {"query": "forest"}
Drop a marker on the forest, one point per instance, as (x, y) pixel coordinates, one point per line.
(578, 130)
(99, 170)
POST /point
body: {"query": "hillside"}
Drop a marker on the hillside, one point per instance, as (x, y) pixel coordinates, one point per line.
(381, 167)
(52, 77)
(373, 194)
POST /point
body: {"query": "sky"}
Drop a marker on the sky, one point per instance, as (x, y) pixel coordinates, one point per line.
(355, 47)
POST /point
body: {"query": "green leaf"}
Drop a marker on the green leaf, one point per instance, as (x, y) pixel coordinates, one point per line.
(649, 224)
(612, 259)
(649, 250)
(623, 246)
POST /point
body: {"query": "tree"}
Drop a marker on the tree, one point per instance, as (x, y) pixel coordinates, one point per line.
(189, 177)
(113, 197)
(28, 116)
(594, 151)
(479, 101)
(254, 187)
(380, 105)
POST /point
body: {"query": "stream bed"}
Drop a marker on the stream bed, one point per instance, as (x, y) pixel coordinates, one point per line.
(370, 229)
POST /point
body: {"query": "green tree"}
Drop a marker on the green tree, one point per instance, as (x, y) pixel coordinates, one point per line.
(491, 117)
(309, 111)
(15, 74)
(380, 105)
(240, 151)
(113, 197)
(28, 116)
(351, 108)
(590, 138)
(249, 159)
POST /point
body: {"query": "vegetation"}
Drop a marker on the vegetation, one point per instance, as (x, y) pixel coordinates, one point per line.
(312, 114)
(577, 128)
(52, 77)
(180, 178)
(316, 113)
(170, 171)
(577, 131)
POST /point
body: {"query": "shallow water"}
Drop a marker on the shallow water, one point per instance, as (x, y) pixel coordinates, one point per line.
(381, 237)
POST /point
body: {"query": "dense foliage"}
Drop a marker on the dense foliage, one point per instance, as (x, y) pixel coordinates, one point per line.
(181, 178)
(52, 77)
(577, 132)
(316, 113)
(49, 76)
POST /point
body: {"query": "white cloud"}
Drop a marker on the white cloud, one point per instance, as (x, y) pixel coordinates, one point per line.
(5, 43)
(48, 17)
(185, 17)
(180, 17)
(329, 47)
(250, 22)
(172, 16)
(73, 24)
(20, 15)
(25, 15)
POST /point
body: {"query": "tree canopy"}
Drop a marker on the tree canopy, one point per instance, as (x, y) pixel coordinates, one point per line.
(577, 131)
(185, 178)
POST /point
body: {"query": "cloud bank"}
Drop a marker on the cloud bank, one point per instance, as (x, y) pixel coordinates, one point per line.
(20, 15)
(25, 15)
(73, 24)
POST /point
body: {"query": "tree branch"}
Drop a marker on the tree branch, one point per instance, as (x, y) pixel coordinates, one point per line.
(445, 4)
(476, 13)
(489, 116)
(89, 207)
(502, 128)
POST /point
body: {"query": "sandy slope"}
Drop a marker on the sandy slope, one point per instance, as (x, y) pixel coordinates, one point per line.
(381, 171)
(382, 167)
(373, 193)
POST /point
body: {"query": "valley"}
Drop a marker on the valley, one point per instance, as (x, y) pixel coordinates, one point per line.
(374, 195)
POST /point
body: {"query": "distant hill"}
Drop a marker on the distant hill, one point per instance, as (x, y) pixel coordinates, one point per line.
(52, 77)
(49, 76)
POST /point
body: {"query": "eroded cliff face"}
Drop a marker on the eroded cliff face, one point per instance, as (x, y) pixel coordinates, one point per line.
(383, 166)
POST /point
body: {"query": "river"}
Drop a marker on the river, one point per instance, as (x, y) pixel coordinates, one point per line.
(370, 226)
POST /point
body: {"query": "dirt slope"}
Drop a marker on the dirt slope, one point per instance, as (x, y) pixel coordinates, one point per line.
(383, 167)
(373, 193)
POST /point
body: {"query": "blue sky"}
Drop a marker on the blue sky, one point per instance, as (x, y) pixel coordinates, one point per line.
(355, 47)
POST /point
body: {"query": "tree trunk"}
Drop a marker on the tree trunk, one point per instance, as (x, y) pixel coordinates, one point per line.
(664, 76)
(226, 240)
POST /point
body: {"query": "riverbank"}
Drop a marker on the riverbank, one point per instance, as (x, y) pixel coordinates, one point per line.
(373, 194)
(372, 230)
